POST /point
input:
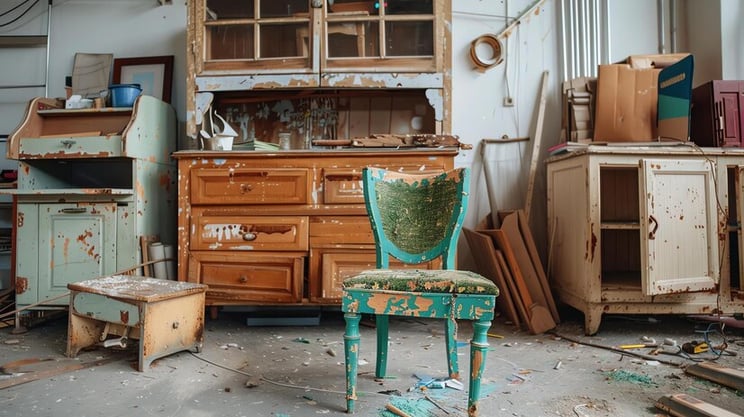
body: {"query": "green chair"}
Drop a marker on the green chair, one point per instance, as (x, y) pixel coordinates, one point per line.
(415, 219)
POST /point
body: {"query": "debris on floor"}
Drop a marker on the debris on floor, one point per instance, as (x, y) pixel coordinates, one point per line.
(622, 375)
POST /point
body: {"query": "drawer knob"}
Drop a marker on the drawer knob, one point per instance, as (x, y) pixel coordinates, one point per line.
(243, 279)
(248, 236)
(246, 188)
(67, 143)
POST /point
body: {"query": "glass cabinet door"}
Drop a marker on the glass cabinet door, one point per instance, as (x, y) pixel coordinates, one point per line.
(393, 34)
(257, 34)
(293, 36)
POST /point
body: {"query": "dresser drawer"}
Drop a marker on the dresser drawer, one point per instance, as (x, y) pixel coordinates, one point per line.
(235, 277)
(250, 186)
(219, 232)
(344, 185)
(329, 266)
(340, 230)
(91, 145)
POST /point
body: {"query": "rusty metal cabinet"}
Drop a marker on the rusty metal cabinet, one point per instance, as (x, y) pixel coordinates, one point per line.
(281, 228)
(280, 47)
(90, 183)
(642, 230)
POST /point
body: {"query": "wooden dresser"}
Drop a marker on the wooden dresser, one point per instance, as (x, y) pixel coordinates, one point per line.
(281, 228)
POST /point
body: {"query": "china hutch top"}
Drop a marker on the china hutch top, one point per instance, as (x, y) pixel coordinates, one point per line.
(318, 45)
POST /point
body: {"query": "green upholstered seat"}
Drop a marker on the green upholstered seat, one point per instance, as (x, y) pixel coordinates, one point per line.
(417, 219)
(422, 280)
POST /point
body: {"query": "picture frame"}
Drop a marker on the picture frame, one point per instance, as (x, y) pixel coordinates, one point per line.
(154, 74)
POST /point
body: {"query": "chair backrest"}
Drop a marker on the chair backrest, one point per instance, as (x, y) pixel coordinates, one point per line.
(416, 217)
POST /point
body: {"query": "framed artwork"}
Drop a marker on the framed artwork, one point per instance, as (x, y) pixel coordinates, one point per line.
(154, 74)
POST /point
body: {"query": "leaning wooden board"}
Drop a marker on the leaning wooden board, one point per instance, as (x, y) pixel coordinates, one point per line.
(484, 254)
(529, 242)
(511, 240)
(538, 317)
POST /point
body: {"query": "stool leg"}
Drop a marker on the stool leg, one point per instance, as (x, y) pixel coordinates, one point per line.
(351, 351)
(382, 324)
(478, 349)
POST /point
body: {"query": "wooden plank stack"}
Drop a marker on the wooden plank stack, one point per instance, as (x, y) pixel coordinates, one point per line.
(509, 257)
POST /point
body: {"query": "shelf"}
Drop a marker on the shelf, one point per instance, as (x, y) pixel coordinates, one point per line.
(621, 226)
(74, 191)
(106, 111)
(23, 41)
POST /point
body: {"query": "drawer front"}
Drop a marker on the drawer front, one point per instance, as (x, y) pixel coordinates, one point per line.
(256, 277)
(215, 232)
(340, 230)
(344, 186)
(339, 264)
(71, 147)
(250, 186)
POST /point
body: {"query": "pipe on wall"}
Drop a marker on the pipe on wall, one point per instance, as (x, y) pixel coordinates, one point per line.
(673, 26)
(660, 12)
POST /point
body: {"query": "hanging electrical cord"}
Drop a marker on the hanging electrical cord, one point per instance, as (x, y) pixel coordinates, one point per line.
(14, 8)
(23, 13)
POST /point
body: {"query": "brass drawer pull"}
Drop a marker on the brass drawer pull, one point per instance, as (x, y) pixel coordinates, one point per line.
(246, 188)
(249, 236)
(243, 279)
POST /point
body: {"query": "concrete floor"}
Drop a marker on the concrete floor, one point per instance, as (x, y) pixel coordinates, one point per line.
(298, 371)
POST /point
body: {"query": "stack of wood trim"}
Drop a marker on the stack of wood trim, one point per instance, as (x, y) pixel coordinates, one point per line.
(508, 256)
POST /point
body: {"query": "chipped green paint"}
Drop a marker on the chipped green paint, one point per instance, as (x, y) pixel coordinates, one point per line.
(416, 280)
(417, 218)
(427, 305)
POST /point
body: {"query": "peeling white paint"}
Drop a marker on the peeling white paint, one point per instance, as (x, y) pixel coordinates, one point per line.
(222, 231)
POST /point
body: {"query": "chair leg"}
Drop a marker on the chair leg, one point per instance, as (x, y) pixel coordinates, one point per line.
(351, 353)
(478, 350)
(382, 323)
(450, 329)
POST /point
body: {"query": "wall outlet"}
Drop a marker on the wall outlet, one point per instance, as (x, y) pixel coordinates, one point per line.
(508, 102)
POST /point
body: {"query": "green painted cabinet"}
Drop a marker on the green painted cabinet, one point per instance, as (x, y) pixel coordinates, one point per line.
(90, 183)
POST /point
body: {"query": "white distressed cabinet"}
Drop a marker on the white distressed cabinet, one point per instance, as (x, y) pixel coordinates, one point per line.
(645, 230)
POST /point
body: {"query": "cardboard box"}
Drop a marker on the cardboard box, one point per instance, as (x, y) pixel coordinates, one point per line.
(658, 61)
(626, 104)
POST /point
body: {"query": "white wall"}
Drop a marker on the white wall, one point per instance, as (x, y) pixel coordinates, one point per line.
(478, 111)
(732, 36)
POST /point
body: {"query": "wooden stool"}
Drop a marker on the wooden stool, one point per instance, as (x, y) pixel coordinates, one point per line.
(165, 316)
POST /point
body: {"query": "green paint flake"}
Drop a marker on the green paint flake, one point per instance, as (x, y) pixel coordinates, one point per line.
(633, 378)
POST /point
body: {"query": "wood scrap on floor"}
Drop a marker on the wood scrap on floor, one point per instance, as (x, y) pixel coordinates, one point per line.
(732, 378)
(29, 370)
(683, 405)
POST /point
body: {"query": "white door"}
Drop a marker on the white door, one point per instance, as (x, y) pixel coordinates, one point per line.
(679, 227)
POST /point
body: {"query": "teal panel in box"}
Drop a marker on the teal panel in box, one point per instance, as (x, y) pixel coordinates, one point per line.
(675, 94)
